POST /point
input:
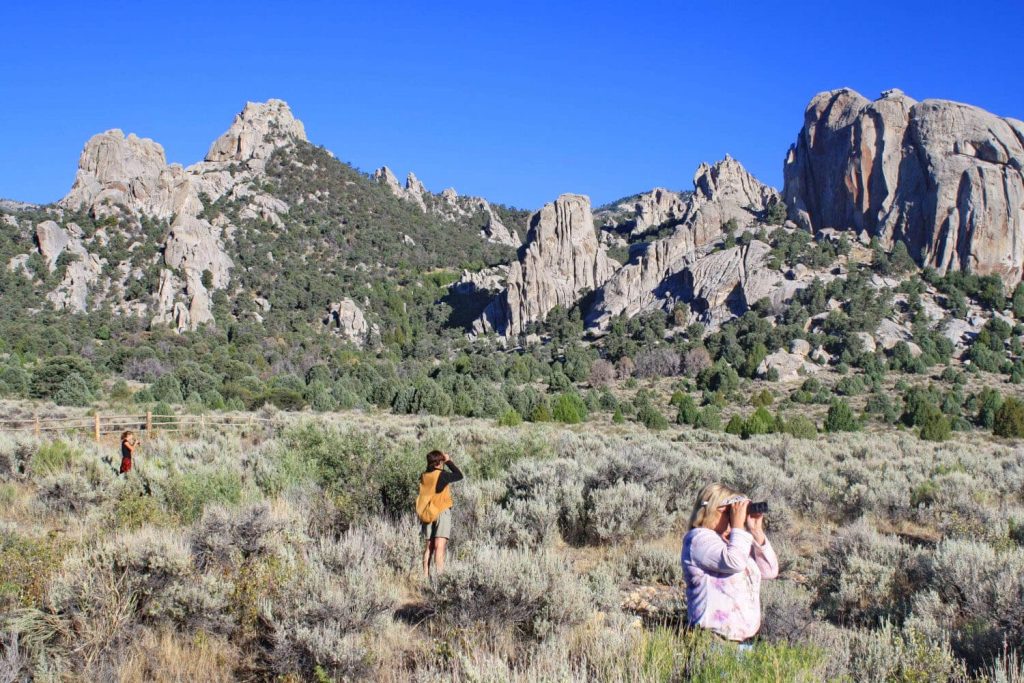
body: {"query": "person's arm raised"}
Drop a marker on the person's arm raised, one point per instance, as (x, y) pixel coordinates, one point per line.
(712, 554)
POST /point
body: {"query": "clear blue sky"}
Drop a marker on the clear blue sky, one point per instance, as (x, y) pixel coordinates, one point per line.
(515, 101)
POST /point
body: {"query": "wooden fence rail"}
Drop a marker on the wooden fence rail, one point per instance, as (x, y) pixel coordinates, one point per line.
(107, 424)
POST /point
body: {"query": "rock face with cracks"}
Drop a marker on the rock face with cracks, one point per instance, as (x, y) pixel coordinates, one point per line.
(561, 260)
(725, 194)
(128, 176)
(944, 178)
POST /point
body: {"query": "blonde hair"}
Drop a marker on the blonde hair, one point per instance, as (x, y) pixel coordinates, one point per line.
(710, 498)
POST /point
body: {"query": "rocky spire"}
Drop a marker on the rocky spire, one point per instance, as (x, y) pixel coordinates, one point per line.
(259, 129)
(561, 259)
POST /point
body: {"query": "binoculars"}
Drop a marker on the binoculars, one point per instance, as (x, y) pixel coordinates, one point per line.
(752, 509)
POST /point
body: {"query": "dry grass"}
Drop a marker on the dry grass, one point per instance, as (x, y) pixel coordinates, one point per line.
(292, 586)
(167, 657)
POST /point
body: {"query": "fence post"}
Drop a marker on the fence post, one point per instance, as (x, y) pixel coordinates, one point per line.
(39, 427)
(149, 422)
(97, 427)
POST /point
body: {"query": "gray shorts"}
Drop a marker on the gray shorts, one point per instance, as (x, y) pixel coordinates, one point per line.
(440, 528)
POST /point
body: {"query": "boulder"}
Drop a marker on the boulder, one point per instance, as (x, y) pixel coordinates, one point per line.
(890, 333)
(116, 171)
(943, 177)
(346, 319)
(494, 230)
(487, 280)
(960, 331)
(51, 240)
(561, 259)
(800, 347)
(867, 341)
(789, 366)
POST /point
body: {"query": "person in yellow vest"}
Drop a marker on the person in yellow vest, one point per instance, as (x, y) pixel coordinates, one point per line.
(434, 508)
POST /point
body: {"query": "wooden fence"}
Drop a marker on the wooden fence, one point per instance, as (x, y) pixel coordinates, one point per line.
(99, 424)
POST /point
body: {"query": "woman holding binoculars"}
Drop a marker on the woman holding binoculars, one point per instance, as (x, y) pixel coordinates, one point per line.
(725, 556)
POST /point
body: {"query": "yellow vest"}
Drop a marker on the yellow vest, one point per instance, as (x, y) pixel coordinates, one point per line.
(429, 504)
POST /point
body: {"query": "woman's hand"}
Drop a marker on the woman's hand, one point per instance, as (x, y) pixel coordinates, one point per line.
(447, 459)
(755, 525)
(738, 513)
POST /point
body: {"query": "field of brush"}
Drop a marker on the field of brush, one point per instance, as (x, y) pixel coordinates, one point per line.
(290, 552)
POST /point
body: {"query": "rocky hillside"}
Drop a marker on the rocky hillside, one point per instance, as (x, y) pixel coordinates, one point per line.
(273, 272)
(264, 213)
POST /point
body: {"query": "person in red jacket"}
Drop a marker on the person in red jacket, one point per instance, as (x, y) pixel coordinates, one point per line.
(128, 444)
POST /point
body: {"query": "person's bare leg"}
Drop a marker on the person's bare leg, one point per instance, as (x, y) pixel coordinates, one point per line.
(440, 545)
(427, 552)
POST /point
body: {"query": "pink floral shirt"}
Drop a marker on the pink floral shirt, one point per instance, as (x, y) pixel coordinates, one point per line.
(723, 581)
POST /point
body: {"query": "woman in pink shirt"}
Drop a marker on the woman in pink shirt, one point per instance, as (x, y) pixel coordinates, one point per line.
(725, 556)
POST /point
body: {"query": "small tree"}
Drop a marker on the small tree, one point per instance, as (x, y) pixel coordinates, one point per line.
(696, 360)
(654, 363)
(510, 418)
(73, 391)
(761, 422)
(935, 426)
(541, 413)
(801, 427)
(840, 418)
(776, 213)
(688, 412)
(735, 426)
(651, 417)
(1009, 419)
(569, 408)
(167, 388)
(602, 373)
(710, 418)
(989, 403)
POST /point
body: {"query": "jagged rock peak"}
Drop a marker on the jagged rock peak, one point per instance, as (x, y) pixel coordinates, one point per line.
(723, 193)
(656, 207)
(259, 129)
(943, 177)
(562, 258)
(125, 170)
(386, 176)
(728, 181)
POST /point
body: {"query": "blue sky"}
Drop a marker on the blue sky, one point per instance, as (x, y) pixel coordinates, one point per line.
(517, 102)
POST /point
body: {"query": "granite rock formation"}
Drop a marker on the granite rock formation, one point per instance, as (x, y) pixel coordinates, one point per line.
(723, 193)
(129, 176)
(561, 259)
(449, 205)
(346, 319)
(657, 207)
(944, 178)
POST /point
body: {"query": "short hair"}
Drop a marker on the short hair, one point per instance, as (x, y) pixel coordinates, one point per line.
(434, 458)
(711, 497)
(125, 435)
